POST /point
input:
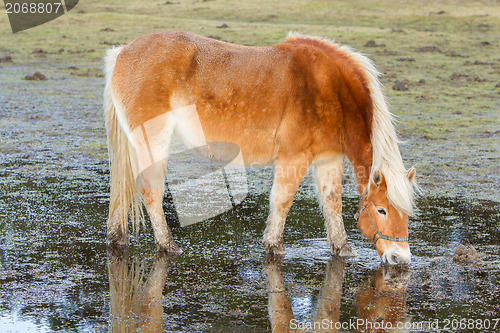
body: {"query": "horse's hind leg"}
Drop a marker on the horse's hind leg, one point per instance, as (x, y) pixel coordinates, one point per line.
(288, 173)
(152, 184)
(328, 177)
(117, 235)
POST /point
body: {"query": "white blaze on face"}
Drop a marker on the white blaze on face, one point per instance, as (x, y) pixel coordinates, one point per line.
(397, 255)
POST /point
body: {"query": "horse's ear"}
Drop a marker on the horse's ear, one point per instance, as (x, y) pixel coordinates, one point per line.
(411, 175)
(377, 178)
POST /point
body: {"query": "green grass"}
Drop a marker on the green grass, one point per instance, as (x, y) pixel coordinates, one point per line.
(265, 23)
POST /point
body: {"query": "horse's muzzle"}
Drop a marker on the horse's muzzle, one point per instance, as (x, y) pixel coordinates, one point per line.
(396, 255)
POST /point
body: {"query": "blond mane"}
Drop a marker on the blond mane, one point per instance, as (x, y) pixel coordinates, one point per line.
(386, 156)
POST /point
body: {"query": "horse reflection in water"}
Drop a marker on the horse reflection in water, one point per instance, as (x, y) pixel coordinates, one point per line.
(135, 304)
(280, 309)
(380, 300)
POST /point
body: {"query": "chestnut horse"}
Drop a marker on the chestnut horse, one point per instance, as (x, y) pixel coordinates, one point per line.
(306, 101)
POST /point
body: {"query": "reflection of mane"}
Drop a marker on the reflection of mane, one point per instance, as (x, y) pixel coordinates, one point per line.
(135, 303)
(383, 298)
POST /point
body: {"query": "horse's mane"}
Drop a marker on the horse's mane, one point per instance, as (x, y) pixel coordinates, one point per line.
(386, 156)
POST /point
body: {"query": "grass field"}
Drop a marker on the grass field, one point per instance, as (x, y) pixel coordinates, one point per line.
(446, 53)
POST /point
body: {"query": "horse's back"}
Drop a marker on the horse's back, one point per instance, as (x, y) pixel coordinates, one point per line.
(265, 99)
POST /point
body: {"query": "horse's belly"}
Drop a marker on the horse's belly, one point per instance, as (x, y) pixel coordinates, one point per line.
(254, 138)
(258, 147)
(253, 128)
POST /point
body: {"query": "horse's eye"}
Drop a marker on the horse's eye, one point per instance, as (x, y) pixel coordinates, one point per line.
(381, 211)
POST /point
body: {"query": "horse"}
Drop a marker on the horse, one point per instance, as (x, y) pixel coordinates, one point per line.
(304, 102)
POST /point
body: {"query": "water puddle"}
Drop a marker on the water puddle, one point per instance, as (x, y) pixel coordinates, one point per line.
(56, 274)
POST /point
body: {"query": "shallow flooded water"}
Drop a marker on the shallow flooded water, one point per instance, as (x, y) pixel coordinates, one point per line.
(56, 273)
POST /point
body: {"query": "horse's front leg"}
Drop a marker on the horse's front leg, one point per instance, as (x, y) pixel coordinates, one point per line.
(280, 307)
(328, 177)
(288, 173)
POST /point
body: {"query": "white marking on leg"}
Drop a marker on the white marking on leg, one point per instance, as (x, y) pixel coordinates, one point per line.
(287, 177)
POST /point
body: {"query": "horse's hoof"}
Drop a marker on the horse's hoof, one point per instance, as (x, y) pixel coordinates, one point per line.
(166, 258)
(345, 252)
(170, 248)
(276, 250)
(117, 239)
(116, 246)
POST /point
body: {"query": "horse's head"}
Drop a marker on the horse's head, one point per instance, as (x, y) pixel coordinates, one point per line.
(382, 223)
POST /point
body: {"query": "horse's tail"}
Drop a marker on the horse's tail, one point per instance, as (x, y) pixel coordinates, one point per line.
(125, 194)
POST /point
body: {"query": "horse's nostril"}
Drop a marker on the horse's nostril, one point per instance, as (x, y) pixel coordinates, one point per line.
(395, 258)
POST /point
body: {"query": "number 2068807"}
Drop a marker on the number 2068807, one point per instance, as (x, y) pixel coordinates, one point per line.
(33, 7)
